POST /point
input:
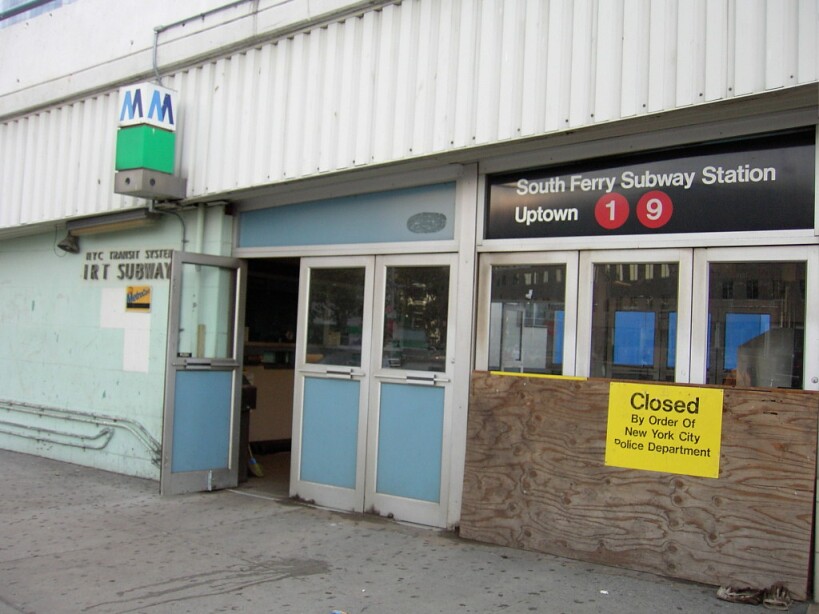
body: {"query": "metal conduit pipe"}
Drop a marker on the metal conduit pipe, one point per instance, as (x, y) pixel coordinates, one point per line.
(82, 441)
(200, 229)
(21, 7)
(132, 426)
(184, 246)
(160, 29)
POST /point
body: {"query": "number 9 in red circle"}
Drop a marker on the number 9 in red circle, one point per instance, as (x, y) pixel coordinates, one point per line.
(611, 211)
(654, 209)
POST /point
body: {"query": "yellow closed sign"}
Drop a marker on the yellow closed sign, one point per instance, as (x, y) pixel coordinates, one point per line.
(675, 429)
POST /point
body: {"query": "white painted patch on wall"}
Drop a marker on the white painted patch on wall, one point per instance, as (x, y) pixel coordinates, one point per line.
(136, 340)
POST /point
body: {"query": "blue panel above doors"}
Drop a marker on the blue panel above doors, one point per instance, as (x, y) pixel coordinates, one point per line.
(415, 214)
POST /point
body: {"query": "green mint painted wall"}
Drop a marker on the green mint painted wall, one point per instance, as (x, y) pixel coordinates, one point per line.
(67, 342)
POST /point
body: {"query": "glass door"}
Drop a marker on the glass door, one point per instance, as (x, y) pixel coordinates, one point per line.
(331, 388)
(200, 442)
(373, 393)
(411, 388)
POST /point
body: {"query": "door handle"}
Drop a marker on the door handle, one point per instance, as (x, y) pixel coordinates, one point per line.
(198, 363)
(421, 379)
(340, 372)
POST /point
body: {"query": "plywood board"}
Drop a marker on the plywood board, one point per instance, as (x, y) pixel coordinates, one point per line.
(535, 478)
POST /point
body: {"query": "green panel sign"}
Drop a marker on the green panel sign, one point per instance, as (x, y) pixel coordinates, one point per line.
(145, 147)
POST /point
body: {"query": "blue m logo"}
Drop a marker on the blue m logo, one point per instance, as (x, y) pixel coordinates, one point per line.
(160, 103)
(161, 110)
(131, 105)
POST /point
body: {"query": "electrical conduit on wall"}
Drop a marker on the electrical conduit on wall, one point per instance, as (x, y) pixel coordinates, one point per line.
(96, 441)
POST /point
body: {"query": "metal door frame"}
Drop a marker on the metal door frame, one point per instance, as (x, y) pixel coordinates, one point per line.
(193, 481)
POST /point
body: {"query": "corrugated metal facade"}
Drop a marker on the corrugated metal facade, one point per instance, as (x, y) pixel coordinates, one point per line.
(412, 79)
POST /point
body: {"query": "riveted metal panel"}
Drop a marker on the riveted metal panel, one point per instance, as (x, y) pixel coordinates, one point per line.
(718, 47)
(559, 66)
(750, 45)
(58, 163)
(467, 64)
(533, 68)
(608, 63)
(808, 41)
(412, 79)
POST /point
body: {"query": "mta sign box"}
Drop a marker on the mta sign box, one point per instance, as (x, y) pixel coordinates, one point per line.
(146, 143)
(147, 103)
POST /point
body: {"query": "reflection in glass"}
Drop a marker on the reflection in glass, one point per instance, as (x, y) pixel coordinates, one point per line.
(526, 318)
(634, 338)
(416, 303)
(634, 320)
(206, 311)
(756, 314)
(335, 317)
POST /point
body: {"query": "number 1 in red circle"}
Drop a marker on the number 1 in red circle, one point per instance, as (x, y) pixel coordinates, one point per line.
(654, 209)
(611, 211)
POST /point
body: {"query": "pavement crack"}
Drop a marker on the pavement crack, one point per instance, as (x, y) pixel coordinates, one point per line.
(208, 584)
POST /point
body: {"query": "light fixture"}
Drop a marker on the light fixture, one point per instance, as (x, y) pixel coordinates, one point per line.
(70, 244)
(123, 220)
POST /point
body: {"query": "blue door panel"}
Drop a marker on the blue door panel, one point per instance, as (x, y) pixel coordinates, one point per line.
(410, 435)
(201, 420)
(329, 438)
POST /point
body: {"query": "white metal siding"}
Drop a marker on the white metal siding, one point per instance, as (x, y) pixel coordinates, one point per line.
(412, 79)
(59, 163)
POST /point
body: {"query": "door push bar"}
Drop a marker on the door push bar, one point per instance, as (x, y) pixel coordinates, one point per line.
(198, 363)
(340, 372)
(421, 379)
(424, 379)
(223, 364)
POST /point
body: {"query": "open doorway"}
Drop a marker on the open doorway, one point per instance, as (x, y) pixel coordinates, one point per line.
(270, 338)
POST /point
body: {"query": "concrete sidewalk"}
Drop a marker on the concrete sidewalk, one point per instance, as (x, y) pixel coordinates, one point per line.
(74, 539)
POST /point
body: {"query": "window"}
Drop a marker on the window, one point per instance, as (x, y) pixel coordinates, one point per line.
(527, 316)
(756, 332)
(725, 316)
(634, 307)
(416, 304)
(634, 338)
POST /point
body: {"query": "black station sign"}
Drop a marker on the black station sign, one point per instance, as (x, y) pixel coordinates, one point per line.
(750, 185)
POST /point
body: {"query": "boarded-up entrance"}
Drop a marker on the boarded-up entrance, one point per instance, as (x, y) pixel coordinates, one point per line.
(535, 478)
